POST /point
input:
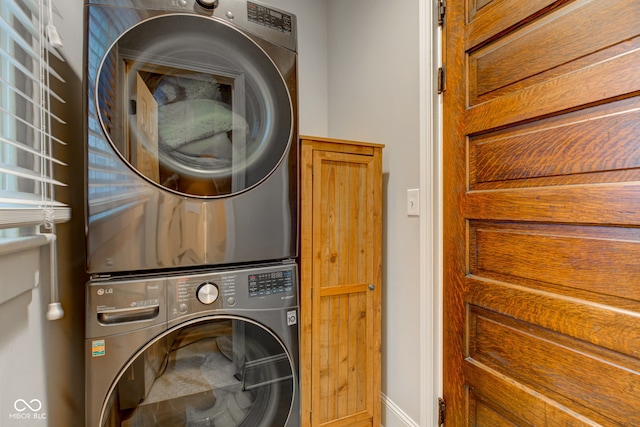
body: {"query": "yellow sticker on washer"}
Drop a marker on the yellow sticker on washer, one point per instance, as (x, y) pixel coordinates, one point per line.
(97, 348)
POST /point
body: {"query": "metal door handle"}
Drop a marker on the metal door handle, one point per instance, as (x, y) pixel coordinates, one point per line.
(111, 317)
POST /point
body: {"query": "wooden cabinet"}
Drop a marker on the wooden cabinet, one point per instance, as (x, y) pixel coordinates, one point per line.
(340, 279)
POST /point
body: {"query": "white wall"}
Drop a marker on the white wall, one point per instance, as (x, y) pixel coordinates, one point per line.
(374, 96)
(312, 62)
(22, 370)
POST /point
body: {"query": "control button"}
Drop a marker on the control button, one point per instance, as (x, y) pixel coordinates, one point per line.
(208, 4)
(231, 301)
(183, 308)
(207, 293)
(230, 15)
(182, 3)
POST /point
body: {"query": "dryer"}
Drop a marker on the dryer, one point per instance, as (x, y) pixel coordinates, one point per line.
(191, 134)
(212, 348)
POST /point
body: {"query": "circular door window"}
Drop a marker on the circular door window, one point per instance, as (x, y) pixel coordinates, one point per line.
(194, 106)
(223, 371)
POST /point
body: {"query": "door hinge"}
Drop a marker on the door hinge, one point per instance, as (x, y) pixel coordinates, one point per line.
(442, 10)
(441, 411)
(441, 81)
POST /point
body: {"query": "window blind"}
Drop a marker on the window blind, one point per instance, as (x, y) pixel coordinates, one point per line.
(28, 40)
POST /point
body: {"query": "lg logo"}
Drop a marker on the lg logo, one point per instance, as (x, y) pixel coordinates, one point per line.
(102, 291)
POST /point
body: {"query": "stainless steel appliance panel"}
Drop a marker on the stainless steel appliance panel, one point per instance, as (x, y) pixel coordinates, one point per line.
(209, 348)
(158, 200)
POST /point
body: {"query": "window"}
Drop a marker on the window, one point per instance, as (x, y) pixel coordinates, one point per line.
(28, 209)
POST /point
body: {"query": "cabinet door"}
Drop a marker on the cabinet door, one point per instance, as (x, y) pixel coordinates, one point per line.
(344, 251)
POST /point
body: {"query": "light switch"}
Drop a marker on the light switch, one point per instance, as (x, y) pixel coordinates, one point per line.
(413, 202)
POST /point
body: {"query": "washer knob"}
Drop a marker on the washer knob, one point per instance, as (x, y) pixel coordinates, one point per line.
(208, 4)
(207, 293)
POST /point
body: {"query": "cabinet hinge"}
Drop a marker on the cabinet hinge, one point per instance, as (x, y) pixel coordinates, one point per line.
(442, 9)
(441, 411)
(441, 81)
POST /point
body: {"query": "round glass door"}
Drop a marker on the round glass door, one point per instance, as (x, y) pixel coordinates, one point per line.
(223, 371)
(194, 106)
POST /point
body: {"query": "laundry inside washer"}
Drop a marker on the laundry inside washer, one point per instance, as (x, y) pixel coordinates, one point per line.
(196, 382)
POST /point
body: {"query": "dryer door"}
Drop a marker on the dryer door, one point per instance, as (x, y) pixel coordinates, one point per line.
(216, 371)
(194, 106)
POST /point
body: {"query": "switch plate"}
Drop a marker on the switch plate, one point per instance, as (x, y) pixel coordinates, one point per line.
(413, 202)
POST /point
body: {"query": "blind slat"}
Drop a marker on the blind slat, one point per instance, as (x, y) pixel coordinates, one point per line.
(10, 218)
(29, 73)
(31, 101)
(26, 148)
(19, 172)
(22, 94)
(30, 125)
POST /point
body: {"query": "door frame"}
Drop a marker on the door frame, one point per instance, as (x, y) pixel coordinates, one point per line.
(431, 281)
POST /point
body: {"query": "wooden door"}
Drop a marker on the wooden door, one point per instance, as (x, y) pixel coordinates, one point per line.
(341, 283)
(542, 213)
(144, 138)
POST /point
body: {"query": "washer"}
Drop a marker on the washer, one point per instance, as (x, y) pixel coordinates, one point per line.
(207, 349)
(191, 134)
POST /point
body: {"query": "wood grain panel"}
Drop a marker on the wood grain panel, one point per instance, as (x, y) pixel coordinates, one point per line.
(541, 219)
(488, 20)
(484, 416)
(344, 368)
(340, 283)
(597, 82)
(517, 403)
(606, 322)
(583, 144)
(532, 356)
(617, 203)
(361, 419)
(361, 399)
(562, 260)
(479, 4)
(516, 58)
(542, 133)
(341, 217)
(321, 340)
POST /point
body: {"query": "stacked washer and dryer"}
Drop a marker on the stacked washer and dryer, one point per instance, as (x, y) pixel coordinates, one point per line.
(191, 214)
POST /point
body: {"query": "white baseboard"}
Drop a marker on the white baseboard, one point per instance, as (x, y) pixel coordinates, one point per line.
(395, 416)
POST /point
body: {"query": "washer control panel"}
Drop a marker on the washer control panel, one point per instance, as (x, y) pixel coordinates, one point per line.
(272, 287)
(268, 283)
(123, 305)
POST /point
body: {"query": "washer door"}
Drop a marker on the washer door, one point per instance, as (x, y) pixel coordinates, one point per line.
(223, 371)
(194, 106)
